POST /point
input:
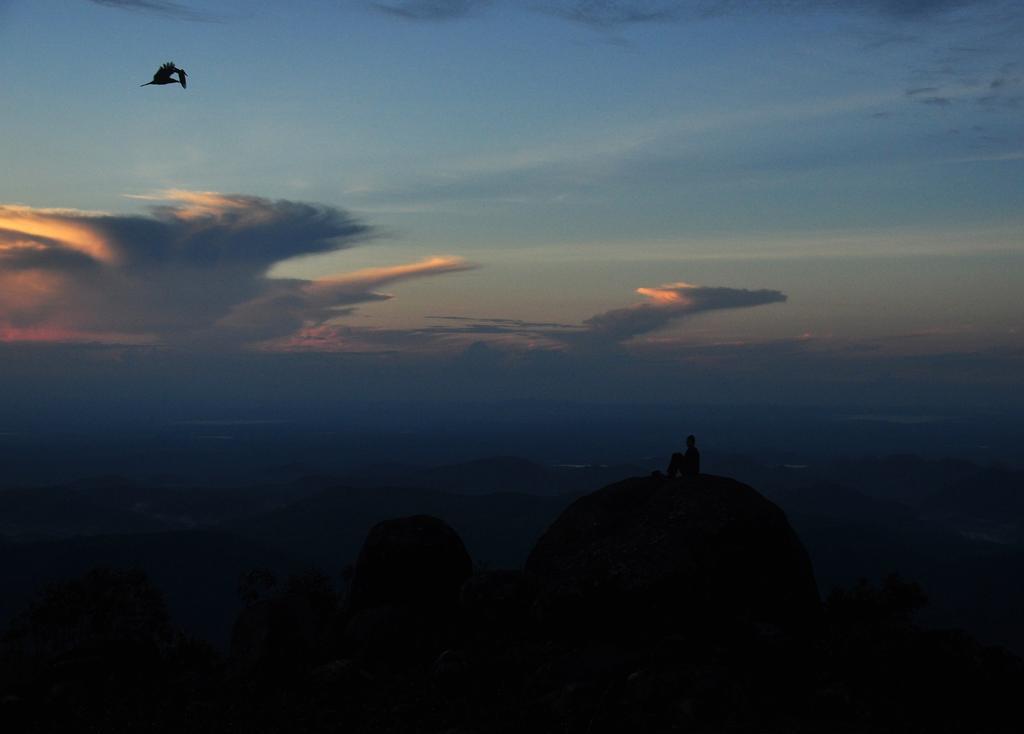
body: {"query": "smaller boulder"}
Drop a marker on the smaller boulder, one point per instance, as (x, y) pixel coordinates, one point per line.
(403, 598)
(416, 561)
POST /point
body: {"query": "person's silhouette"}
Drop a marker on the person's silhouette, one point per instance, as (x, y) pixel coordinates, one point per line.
(685, 465)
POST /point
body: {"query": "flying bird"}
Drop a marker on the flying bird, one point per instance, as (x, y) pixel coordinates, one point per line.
(164, 75)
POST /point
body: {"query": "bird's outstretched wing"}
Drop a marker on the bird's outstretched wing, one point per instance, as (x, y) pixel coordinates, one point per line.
(182, 77)
(163, 74)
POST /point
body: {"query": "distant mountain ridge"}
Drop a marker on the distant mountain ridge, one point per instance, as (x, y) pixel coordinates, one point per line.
(492, 474)
(112, 504)
(197, 571)
(328, 526)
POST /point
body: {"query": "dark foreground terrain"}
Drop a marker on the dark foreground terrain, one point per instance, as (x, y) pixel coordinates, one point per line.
(953, 526)
(650, 605)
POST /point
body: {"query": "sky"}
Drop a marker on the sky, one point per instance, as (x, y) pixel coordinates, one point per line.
(802, 202)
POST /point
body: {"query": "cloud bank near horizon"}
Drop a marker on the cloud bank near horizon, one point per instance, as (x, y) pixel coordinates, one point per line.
(194, 271)
(606, 333)
(75, 287)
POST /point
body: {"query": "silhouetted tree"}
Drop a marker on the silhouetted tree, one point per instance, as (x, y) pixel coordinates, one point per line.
(104, 606)
(256, 585)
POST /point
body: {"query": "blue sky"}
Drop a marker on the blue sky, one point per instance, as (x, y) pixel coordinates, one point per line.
(832, 191)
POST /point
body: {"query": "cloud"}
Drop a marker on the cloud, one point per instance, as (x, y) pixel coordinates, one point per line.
(603, 14)
(300, 310)
(1002, 82)
(159, 7)
(608, 332)
(607, 14)
(430, 10)
(611, 13)
(1004, 90)
(670, 303)
(174, 385)
(193, 270)
(474, 322)
(453, 334)
(919, 8)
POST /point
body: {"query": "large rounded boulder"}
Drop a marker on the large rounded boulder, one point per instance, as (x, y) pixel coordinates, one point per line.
(652, 556)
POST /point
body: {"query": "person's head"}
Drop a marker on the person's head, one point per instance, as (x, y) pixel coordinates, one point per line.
(691, 440)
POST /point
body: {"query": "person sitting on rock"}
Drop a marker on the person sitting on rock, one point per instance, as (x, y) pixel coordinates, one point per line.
(687, 465)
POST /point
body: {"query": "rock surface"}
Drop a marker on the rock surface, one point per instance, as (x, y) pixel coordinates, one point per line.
(651, 556)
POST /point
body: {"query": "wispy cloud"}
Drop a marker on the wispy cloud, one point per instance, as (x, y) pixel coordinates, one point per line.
(607, 333)
(193, 270)
(614, 13)
(1013, 155)
(606, 14)
(160, 7)
(468, 322)
(430, 10)
(294, 312)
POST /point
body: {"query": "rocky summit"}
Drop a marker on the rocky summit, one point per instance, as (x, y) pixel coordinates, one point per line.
(651, 555)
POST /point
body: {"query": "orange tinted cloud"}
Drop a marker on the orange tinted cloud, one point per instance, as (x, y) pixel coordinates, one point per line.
(192, 271)
(667, 295)
(192, 206)
(44, 228)
(302, 308)
(665, 304)
(55, 333)
(364, 281)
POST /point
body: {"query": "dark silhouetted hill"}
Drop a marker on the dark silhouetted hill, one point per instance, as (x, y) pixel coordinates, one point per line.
(106, 505)
(62, 512)
(971, 583)
(328, 527)
(988, 505)
(198, 571)
(904, 478)
(837, 501)
(962, 542)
